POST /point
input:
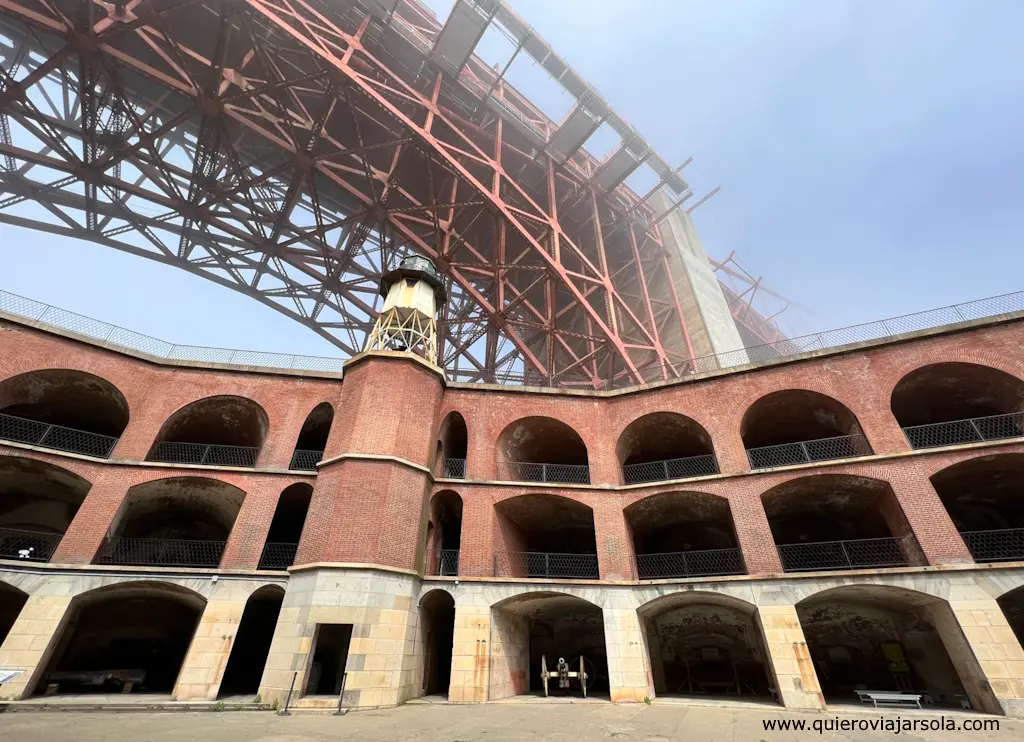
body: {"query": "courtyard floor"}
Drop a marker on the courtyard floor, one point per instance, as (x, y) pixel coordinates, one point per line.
(496, 722)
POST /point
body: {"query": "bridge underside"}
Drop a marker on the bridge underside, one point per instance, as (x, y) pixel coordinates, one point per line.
(294, 150)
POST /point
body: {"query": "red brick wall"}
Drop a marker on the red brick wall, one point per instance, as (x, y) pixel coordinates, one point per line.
(376, 510)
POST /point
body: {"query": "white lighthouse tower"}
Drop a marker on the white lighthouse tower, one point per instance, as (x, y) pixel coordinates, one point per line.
(412, 292)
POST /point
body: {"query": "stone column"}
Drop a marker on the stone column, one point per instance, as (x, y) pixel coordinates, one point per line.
(754, 535)
(629, 668)
(382, 651)
(31, 641)
(207, 656)
(369, 501)
(477, 547)
(472, 653)
(650, 629)
(249, 531)
(614, 540)
(94, 518)
(789, 659)
(927, 517)
(986, 653)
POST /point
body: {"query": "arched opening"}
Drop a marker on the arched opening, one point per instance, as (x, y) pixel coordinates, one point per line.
(176, 522)
(437, 626)
(444, 539)
(1012, 604)
(64, 410)
(217, 431)
(664, 445)
(545, 536)
(452, 442)
(881, 638)
(309, 449)
(286, 527)
(945, 404)
(542, 449)
(12, 600)
(796, 426)
(705, 644)
(985, 499)
(128, 638)
(550, 625)
(838, 521)
(683, 534)
(252, 642)
(37, 503)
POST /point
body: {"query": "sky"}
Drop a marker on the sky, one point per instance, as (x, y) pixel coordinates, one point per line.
(870, 155)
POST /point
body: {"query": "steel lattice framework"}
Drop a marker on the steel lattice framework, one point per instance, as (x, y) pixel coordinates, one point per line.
(293, 150)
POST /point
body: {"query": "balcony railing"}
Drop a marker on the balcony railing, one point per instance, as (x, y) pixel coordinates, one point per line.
(453, 468)
(448, 563)
(56, 437)
(970, 430)
(804, 452)
(161, 552)
(30, 546)
(278, 555)
(1003, 545)
(703, 563)
(171, 452)
(305, 460)
(864, 553)
(541, 564)
(518, 471)
(656, 471)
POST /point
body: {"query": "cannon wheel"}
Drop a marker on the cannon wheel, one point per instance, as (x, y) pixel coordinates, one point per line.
(590, 669)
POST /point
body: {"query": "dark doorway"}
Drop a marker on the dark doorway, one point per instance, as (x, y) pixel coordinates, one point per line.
(549, 625)
(286, 527)
(330, 655)
(131, 637)
(12, 601)
(437, 612)
(871, 637)
(252, 642)
(703, 644)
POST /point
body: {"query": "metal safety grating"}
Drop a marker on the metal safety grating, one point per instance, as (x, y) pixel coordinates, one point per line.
(804, 452)
(700, 563)
(863, 553)
(57, 437)
(171, 452)
(970, 430)
(160, 552)
(519, 471)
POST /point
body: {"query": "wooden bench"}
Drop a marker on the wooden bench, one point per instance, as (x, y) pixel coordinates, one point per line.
(889, 698)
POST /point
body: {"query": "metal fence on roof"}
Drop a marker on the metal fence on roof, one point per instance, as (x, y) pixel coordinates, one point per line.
(121, 338)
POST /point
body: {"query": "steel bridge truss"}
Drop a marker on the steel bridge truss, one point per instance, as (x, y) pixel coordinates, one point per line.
(293, 150)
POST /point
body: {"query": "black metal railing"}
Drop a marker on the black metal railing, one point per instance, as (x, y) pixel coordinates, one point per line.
(30, 546)
(1002, 545)
(278, 555)
(57, 437)
(804, 452)
(862, 553)
(542, 564)
(519, 471)
(969, 430)
(453, 468)
(448, 563)
(656, 471)
(305, 460)
(703, 563)
(171, 452)
(161, 552)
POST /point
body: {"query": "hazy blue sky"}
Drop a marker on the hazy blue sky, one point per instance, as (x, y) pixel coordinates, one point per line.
(871, 156)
